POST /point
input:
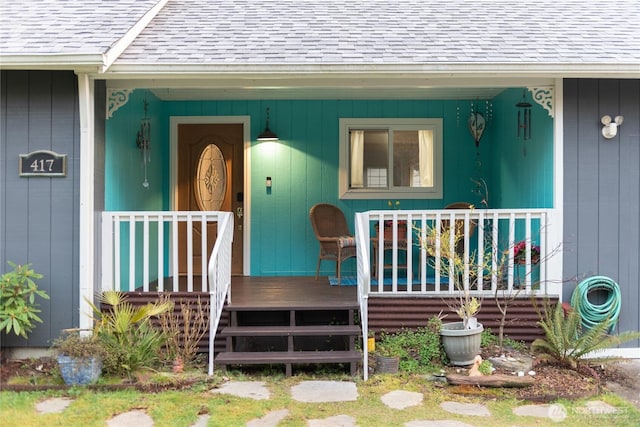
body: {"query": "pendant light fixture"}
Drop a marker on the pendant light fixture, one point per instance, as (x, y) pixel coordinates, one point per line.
(266, 134)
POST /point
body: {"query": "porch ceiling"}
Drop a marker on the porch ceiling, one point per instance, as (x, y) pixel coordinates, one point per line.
(296, 87)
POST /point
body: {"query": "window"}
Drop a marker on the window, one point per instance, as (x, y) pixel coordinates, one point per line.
(390, 158)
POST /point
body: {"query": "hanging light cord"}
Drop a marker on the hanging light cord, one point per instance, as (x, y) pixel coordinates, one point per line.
(592, 314)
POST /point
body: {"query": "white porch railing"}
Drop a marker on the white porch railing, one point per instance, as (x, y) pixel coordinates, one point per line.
(412, 271)
(144, 246)
(140, 247)
(497, 231)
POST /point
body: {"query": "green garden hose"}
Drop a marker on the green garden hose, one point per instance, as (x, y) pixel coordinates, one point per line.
(592, 314)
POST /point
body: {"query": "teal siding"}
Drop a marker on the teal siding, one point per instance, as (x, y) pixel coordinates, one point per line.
(522, 172)
(124, 173)
(303, 165)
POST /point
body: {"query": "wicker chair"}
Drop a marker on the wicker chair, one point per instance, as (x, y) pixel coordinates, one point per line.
(331, 229)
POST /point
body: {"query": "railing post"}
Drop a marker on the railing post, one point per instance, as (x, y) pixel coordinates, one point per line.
(107, 252)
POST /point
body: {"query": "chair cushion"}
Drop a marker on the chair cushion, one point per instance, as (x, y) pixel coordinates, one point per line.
(346, 241)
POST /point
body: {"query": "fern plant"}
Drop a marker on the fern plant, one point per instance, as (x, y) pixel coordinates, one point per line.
(566, 342)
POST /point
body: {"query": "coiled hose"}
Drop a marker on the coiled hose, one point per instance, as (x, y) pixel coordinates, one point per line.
(592, 314)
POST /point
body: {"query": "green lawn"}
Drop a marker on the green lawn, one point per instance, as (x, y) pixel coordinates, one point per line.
(181, 408)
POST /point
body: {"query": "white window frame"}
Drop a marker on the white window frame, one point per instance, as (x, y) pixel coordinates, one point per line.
(433, 124)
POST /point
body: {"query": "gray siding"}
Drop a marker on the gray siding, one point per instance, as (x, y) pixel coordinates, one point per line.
(602, 190)
(39, 215)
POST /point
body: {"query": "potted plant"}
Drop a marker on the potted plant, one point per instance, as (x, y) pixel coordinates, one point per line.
(387, 354)
(520, 253)
(388, 224)
(461, 340)
(79, 357)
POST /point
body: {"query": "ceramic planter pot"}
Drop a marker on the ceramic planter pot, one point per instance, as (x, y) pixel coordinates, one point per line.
(461, 345)
(80, 370)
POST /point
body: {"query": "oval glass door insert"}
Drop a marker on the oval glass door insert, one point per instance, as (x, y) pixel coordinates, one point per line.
(211, 179)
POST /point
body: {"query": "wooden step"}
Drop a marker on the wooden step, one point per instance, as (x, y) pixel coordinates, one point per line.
(288, 358)
(312, 330)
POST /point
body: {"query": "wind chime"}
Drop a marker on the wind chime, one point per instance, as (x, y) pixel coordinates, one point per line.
(143, 142)
(524, 119)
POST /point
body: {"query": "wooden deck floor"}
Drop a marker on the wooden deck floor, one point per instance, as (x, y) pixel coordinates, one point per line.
(290, 292)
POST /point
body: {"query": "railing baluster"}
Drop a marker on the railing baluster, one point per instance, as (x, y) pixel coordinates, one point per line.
(189, 253)
(438, 254)
(160, 253)
(132, 252)
(145, 253)
(512, 239)
(496, 256)
(118, 262)
(175, 247)
(480, 251)
(203, 251)
(527, 237)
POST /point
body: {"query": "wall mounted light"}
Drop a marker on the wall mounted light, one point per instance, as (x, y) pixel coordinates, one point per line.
(610, 127)
(143, 142)
(524, 117)
(266, 134)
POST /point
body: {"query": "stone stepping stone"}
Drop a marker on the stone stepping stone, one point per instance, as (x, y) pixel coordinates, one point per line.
(54, 405)
(554, 412)
(324, 391)
(202, 421)
(337, 421)
(132, 418)
(256, 390)
(472, 409)
(437, 423)
(400, 399)
(270, 420)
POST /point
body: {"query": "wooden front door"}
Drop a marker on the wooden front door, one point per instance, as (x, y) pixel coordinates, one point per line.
(211, 178)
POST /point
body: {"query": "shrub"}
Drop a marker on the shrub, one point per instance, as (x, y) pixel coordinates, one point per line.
(184, 328)
(72, 344)
(18, 308)
(126, 331)
(566, 342)
(420, 350)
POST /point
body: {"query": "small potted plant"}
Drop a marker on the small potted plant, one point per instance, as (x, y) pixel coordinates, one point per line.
(79, 357)
(520, 253)
(387, 354)
(388, 224)
(461, 340)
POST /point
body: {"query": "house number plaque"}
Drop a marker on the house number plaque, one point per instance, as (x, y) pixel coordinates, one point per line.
(43, 163)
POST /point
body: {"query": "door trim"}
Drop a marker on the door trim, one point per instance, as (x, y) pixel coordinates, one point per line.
(173, 176)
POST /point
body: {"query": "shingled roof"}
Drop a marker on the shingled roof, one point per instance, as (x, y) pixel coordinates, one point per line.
(388, 32)
(207, 35)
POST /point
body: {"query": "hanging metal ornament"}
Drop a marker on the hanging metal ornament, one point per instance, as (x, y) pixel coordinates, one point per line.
(524, 117)
(143, 142)
(477, 125)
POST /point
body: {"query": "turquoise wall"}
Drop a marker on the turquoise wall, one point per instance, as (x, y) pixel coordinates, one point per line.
(522, 172)
(303, 165)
